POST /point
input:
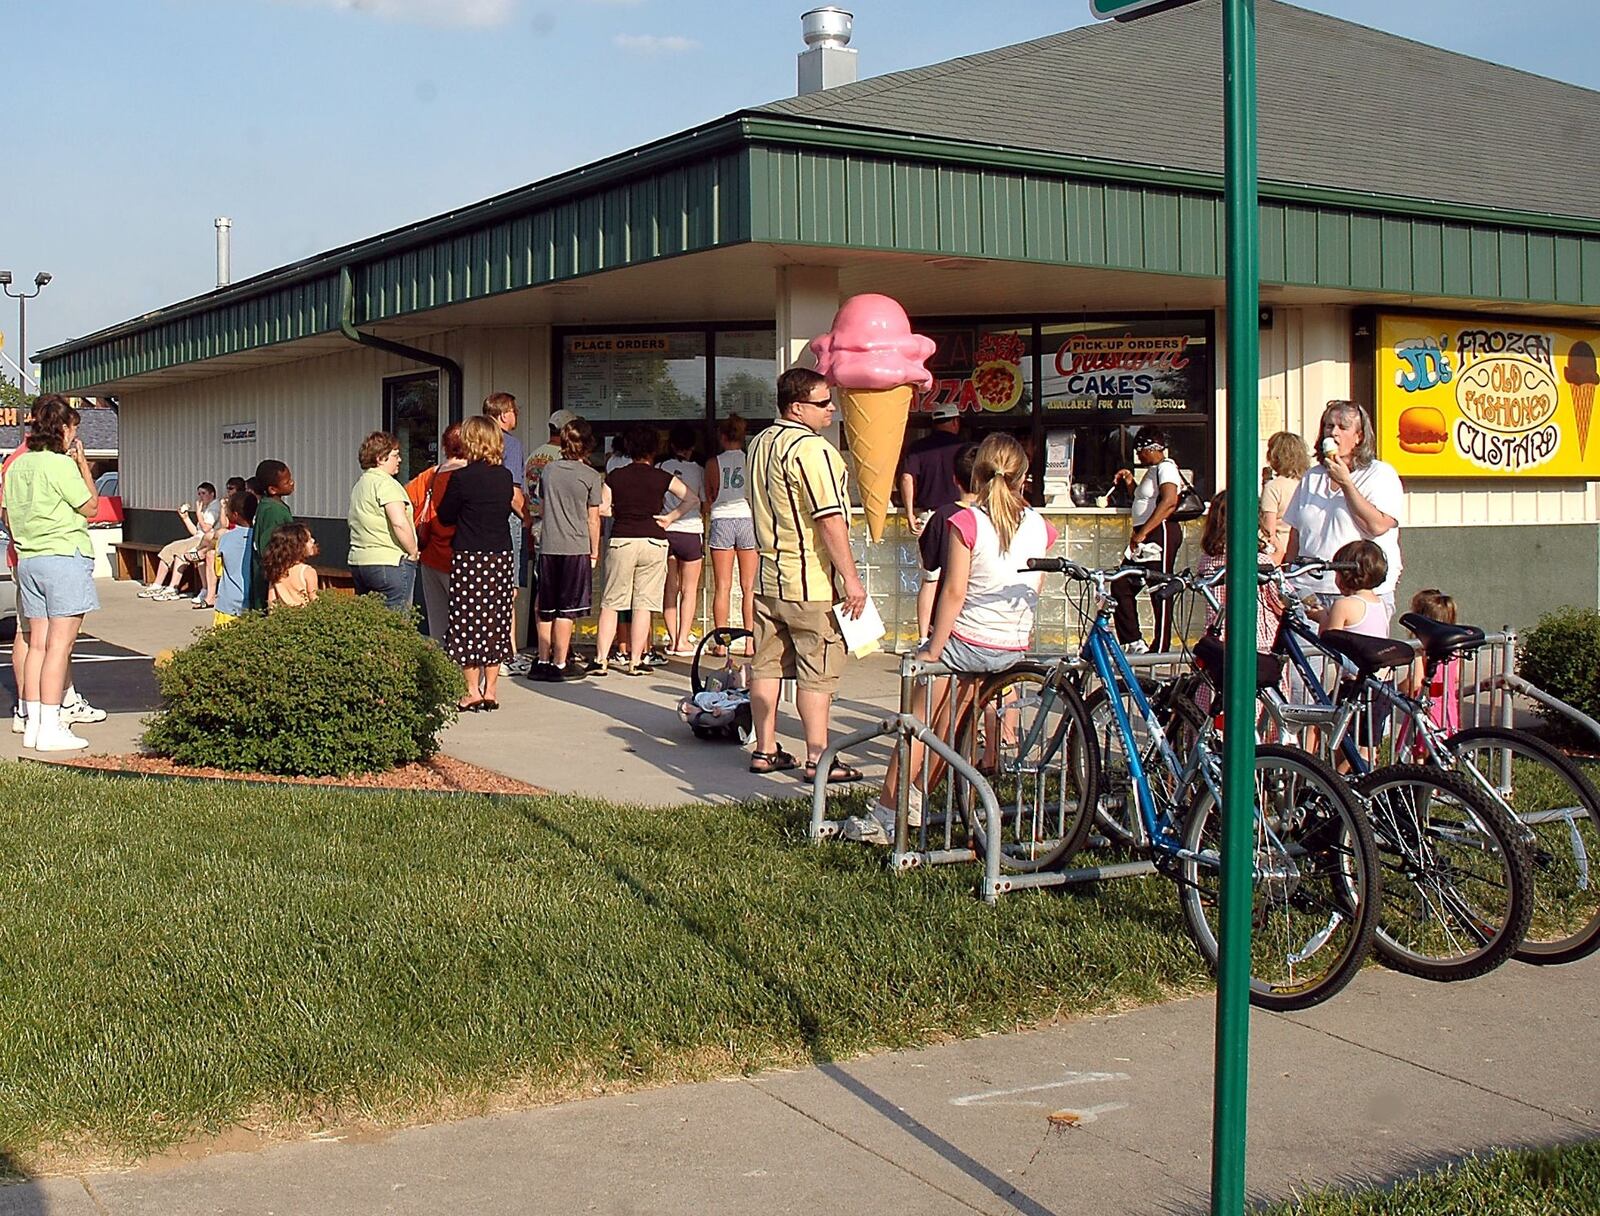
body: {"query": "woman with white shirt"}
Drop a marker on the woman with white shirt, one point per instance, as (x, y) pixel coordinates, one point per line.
(1348, 495)
(1153, 543)
(733, 532)
(686, 552)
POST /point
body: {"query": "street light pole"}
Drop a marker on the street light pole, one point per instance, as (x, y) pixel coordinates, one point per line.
(22, 298)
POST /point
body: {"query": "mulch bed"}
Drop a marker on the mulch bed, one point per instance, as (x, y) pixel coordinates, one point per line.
(440, 775)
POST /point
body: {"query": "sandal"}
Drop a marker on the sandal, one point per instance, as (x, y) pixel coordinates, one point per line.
(469, 707)
(772, 762)
(837, 775)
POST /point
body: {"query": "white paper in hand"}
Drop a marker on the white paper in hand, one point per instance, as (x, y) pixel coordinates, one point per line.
(863, 633)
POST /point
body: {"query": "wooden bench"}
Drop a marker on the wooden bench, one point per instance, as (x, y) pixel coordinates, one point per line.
(138, 559)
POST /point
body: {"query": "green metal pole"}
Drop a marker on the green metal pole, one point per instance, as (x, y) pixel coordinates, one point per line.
(1232, 1071)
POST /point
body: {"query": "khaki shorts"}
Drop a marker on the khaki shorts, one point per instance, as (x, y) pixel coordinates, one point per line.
(799, 642)
(636, 574)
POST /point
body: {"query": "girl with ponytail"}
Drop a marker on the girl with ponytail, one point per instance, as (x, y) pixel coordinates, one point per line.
(983, 617)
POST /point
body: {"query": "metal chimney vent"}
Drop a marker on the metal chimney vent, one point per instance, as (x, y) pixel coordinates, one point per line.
(224, 251)
(827, 60)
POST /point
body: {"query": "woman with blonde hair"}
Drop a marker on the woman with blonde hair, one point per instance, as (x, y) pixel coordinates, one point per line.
(476, 503)
(983, 617)
(1288, 459)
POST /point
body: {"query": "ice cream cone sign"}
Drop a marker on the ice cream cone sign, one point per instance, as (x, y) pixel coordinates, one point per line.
(876, 362)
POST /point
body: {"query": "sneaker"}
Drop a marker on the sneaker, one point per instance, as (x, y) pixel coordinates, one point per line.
(1137, 646)
(19, 721)
(545, 673)
(150, 592)
(30, 731)
(60, 739)
(576, 669)
(864, 829)
(166, 595)
(79, 710)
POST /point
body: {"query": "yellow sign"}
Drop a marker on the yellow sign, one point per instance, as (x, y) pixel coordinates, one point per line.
(1486, 398)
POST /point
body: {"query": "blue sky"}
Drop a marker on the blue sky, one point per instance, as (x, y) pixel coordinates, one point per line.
(132, 123)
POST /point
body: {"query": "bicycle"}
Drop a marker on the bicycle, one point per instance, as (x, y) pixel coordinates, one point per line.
(1458, 889)
(1316, 885)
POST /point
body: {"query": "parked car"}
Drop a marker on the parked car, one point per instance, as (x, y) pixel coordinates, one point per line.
(110, 513)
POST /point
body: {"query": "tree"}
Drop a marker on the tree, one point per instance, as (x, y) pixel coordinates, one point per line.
(12, 396)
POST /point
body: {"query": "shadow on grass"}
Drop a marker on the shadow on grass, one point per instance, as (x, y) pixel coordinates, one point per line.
(804, 1014)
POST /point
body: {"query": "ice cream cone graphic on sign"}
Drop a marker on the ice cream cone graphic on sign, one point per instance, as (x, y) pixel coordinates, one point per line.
(1582, 376)
(876, 362)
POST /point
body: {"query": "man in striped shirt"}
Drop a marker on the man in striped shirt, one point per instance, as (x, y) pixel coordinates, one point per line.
(800, 505)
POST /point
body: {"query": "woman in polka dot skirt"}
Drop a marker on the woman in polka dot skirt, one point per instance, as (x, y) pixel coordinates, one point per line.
(477, 502)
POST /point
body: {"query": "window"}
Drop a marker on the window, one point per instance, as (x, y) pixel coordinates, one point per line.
(746, 372)
(411, 415)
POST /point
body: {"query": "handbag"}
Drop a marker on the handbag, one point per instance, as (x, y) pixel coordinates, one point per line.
(1190, 504)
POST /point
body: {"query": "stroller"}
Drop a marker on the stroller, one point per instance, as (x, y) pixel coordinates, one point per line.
(718, 704)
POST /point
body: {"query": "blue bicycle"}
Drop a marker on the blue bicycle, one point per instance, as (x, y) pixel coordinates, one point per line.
(1316, 883)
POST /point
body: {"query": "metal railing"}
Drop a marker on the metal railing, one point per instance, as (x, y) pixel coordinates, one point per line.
(1488, 688)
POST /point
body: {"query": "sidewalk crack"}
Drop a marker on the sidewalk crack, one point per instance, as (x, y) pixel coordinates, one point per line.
(1011, 1194)
(1589, 1125)
(93, 1198)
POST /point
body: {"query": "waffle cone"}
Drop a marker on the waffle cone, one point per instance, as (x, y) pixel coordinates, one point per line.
(1583, 407)
(875, 427)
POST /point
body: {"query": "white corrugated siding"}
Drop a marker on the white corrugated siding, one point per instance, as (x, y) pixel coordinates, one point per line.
(311, 414)
(1305, 362)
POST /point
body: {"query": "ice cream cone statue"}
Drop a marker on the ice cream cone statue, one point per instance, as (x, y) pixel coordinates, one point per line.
(1581, 374)
(876, 362)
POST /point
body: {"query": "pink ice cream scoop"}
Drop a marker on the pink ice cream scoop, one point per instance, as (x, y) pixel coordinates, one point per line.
(871, 346)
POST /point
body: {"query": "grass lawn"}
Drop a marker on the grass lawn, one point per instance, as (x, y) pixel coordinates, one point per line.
(1550, 1182)
(175, 958)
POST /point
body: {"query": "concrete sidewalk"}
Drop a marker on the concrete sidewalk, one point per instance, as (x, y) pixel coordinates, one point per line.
(1394, 1075)
(619, 737)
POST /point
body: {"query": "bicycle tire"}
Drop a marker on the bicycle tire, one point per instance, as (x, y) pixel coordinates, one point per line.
(1046, 797)
(1437, 899)
(1315, 887)
(1560, 809)
(1115, 811)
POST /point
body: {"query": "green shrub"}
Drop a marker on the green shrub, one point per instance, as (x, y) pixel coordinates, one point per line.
(342, 685)
(1561, 655)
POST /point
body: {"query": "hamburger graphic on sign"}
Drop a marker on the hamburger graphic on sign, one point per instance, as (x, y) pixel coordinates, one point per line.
(1480, 398)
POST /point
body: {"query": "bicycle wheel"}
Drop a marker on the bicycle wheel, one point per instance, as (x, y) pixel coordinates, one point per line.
(1457, 885)
(1029, 735)
(1559, 808)
(1315, 881)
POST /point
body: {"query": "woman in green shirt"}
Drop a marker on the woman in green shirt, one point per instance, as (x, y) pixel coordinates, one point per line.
(49, 500)
(383, 540)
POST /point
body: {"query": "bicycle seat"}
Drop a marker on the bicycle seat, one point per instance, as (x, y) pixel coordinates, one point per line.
(1370, 654)
(1210, 654)
(1439, 639)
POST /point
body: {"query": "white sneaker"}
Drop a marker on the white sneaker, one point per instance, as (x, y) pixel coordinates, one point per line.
(61, 739)
(1137, 646)
(865, 829)
(19, 722)
(30, 731)
(79, 710)
(149, 592)
(516, 665)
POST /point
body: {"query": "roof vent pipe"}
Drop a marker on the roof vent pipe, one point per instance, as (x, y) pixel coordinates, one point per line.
(827, 61)
(224, 251)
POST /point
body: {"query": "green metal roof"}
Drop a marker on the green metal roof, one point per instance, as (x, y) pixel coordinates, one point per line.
(797, 173)
(1339, 106)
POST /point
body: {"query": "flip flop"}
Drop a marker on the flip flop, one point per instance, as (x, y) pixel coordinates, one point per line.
(772, 762)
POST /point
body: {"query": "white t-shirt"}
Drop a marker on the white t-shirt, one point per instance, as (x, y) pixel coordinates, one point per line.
(1145, 495)
(1002, 593)
(1318, 512)
(693, 476)
(731, 501)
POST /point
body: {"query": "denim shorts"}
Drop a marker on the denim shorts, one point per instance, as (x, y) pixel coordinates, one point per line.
(970, 659)
(51, 586)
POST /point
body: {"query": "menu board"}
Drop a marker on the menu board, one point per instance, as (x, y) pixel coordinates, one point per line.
(1134, 369)
(1486, 398)
(634, 377)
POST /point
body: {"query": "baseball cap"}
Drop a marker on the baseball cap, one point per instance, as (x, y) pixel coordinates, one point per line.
(945, 412)
(560, 419)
